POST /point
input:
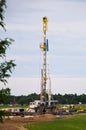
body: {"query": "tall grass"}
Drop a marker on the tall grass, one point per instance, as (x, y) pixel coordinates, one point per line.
(73, 123)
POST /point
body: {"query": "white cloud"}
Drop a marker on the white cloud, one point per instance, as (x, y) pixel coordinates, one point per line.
(23, 58)
(63, 16)
(60, 29)
(67, 29)
(62, 85)
(68, 85)
(21, 27)
(22, 85)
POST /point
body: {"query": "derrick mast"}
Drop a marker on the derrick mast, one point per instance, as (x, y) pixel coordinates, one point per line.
(44, 76)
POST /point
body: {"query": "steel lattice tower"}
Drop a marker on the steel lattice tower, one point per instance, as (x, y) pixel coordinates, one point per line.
(44, 96)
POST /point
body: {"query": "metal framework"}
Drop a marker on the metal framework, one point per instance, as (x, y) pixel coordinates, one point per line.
(45, 95)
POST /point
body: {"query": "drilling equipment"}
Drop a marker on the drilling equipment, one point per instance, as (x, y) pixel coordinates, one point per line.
(45, 95)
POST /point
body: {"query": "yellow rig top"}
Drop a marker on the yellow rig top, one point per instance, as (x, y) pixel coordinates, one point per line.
(45, 28)
(45, 21)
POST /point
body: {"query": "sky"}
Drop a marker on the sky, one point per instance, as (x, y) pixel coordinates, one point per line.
(67, 44)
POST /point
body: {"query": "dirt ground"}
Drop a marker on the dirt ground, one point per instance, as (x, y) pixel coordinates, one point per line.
(17, 123)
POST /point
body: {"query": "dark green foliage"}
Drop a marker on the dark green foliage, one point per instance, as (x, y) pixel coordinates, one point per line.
(2, 6)
(62, 99)
(4, 93)
(6, 67)
(22, 100)
(2, 114)
(4, 44)
(70, 98)
(5, 70)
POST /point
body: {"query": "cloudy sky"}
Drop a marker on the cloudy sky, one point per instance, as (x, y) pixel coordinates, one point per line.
(67, 44)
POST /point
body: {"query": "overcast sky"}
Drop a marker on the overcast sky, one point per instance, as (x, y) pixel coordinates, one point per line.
(67, 44)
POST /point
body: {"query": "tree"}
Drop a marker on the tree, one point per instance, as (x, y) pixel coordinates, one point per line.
(6, 67)
(4, 93)
(2, 5)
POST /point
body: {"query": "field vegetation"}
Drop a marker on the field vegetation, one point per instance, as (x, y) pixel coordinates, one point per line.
(77, 122)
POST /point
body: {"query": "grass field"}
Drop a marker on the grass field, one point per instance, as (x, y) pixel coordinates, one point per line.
(71, 123)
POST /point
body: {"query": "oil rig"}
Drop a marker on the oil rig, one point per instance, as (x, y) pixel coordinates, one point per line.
(45, 94)
(46, 104)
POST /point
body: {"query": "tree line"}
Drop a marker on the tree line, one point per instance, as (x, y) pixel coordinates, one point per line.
(61, 99)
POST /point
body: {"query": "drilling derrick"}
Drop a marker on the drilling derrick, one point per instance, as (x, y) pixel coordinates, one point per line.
(44, 77)
(46, 104)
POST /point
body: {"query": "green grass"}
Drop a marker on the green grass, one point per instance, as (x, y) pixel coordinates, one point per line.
(8, 106)
(72, 123)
